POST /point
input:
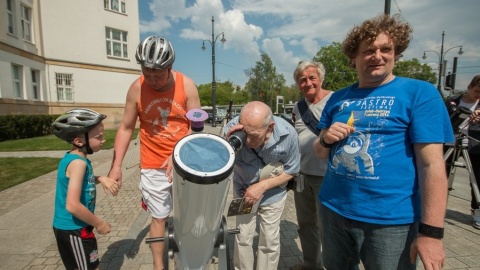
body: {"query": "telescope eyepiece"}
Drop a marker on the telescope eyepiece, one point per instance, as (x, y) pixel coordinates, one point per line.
(237, 139)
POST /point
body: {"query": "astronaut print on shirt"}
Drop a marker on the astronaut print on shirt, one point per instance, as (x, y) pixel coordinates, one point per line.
(356, 156)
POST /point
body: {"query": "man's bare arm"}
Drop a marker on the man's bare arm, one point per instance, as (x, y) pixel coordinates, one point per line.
(434, 191)
(125, 130)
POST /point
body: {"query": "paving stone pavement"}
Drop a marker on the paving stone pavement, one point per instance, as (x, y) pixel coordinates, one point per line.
(27, 241)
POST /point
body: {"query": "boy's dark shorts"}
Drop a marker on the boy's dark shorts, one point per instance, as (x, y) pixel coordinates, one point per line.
(78, 248)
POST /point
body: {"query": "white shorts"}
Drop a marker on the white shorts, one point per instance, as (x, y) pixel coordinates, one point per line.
(156, 192)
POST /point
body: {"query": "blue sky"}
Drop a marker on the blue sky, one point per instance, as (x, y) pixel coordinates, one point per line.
(291, 31)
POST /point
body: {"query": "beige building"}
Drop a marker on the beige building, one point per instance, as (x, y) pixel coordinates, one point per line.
(60, 54)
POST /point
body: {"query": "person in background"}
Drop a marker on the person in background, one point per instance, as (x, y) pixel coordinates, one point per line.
(269, 140)
(75, 197)
(384, 195)
(309, 78)
(160, 98)
(471, 128)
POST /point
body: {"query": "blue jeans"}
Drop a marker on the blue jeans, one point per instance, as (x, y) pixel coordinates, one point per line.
(379, 247)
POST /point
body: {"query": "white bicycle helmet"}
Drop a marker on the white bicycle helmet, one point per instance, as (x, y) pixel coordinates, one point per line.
(155, 52)
(76, 122)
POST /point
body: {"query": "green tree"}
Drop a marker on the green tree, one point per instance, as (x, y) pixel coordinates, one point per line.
(223, 93)
(338, 73)
(414, 69)
(290, 93)
(241, 97)
(264, 83)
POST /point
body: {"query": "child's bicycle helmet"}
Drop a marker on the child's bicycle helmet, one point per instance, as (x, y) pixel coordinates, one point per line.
(76, 122)
(155, 52)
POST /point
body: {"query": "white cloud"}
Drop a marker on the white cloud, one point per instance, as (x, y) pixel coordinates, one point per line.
(284, 60)
(165, 13)
(310, 46)
(243, 36)
(293, 30)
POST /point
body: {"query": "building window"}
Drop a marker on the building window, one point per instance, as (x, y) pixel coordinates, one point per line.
(64, 83)
(116, 43)
(17, 81)
(10, 17)
(27, 23)
(123, 8)
(115, 5)
(35, 84)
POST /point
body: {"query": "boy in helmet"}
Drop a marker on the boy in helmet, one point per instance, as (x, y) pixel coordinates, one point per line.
(160, 98)
(74, 217)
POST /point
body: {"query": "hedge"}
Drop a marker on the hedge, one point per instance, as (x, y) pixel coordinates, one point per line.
(23, 126)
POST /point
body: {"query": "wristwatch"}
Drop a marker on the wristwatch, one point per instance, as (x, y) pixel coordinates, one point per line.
(325, 144)
(430, 231)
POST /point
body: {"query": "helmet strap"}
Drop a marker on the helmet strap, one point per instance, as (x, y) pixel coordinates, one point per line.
(87, 147)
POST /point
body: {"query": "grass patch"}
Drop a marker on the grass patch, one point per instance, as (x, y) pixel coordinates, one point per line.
(51, 142)
(14, 171)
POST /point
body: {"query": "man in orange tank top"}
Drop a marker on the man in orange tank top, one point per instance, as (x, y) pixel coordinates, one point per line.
(160, 98)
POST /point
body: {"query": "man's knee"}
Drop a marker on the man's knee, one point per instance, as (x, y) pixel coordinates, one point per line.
(159, 220)
(157, 226)
(272, 236)
(244, 239)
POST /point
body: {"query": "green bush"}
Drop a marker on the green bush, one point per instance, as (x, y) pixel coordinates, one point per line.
(24, 126)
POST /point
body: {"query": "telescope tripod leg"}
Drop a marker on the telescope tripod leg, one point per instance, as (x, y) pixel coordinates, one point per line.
(451, 161)
(133, 150)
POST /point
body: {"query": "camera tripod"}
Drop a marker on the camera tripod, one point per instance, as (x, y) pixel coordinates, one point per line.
(452, 155)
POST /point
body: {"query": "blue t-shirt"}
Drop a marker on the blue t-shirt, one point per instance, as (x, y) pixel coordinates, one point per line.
(371, 174)
(62, 219)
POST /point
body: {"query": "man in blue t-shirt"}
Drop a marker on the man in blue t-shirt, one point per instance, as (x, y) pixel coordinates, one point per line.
(384, 195)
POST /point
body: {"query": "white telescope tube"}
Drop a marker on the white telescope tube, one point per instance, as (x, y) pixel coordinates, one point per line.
(202, 166)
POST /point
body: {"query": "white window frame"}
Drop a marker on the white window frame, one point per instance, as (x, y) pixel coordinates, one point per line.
(35, 84)
(116, 43)
(26, 17)
(116, 5)
(10, 17)
(64, 86)
(17, 80)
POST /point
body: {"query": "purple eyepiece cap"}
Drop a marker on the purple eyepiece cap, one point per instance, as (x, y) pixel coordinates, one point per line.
(197, 118)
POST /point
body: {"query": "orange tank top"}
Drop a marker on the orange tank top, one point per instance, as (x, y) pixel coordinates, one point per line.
(163, 122)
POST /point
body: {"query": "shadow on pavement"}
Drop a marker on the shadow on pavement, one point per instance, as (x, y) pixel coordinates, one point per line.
(459, 217)
(117, 251)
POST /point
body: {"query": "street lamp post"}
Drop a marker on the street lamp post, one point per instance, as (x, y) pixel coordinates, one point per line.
(441, 56)
(214, 83)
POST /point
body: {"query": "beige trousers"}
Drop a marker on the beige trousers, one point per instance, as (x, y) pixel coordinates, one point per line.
(268, 253)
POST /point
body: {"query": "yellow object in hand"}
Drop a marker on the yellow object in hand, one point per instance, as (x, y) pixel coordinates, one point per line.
(351, 120)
